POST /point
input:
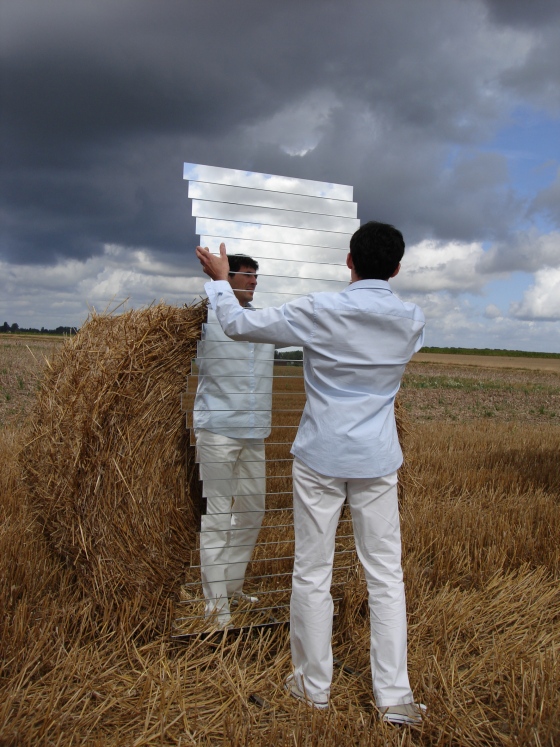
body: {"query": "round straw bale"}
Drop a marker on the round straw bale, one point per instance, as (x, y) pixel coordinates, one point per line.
(105, 462)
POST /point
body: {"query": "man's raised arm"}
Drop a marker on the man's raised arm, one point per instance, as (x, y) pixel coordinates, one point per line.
(290, 324)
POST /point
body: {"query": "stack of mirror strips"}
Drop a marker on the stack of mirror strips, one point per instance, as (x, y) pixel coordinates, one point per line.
(298, 231)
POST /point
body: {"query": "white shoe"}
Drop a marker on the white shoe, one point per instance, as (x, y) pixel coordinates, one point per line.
(291, 687)
(239, 596)
(408, 713)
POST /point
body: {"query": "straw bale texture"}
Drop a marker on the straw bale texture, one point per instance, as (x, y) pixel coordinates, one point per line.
(105, 459)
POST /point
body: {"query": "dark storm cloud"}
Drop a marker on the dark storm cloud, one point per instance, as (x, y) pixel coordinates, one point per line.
(547, 202)
(524, 13)
(533, 76)
(104, 101)
(141, 68)
(527, 252)
(414, 188)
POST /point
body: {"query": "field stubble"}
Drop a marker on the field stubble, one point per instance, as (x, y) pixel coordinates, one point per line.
(22, 359)
(481, 537)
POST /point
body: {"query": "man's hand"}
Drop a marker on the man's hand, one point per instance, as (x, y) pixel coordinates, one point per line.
(216, 267)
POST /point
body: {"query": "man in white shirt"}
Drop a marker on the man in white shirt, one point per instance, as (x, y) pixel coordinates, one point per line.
(231, 419)
(356, 345)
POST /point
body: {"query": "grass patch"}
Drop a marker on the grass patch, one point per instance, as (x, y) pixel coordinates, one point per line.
(468, 384)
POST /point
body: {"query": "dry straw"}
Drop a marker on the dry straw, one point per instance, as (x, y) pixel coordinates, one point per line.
(105, 460)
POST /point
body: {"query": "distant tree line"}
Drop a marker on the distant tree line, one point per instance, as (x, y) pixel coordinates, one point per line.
(15, 328)
(289, 357)
(489, 351)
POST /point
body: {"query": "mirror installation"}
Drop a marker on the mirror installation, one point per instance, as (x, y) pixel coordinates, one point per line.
(243, 401)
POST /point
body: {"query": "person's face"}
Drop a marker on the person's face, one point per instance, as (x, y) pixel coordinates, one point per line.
(243, 283)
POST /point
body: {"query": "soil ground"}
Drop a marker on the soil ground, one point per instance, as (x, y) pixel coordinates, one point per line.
(488, 361)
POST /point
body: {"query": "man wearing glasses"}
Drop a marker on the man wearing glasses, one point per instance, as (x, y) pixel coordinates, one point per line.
(231, 419)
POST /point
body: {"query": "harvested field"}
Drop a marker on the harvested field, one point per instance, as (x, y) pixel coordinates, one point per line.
(488, 361)
(435, 391)
(22, 361)
(481, 533)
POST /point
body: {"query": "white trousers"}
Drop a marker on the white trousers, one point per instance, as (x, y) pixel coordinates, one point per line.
(233, 473)
(318, 500)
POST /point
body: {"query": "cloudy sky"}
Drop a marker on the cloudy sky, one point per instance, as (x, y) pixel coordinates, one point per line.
(443, 114)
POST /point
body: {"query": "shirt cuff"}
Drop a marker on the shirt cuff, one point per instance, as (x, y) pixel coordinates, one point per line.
(214, 289)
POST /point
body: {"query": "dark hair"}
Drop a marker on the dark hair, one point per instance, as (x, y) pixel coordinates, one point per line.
(376, 250)
(237, 261)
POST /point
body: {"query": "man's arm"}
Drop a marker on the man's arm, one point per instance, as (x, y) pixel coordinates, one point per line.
(290, 324)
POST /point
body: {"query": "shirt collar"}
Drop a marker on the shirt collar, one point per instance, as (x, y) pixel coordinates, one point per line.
(370, 283)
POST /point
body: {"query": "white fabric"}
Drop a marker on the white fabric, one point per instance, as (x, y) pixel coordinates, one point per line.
(356, 344)
(234, 393)
(318, 500)
(233, 472)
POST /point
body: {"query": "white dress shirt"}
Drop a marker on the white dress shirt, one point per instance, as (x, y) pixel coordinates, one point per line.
(234, 393)
(356, 345)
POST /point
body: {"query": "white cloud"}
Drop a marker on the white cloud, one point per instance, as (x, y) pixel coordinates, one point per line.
(297, 127)
(548, 200)
(434, 266)
(542, 300)
(455, 322)
(448, 318)
(67, 291)
(492, 312)
(527, 251)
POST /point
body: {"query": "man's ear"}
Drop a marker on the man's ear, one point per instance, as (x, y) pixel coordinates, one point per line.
(396, 271)
(349, 262)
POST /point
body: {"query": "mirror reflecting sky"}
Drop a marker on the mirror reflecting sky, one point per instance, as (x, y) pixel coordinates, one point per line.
(297, 229)
(273, 217)
(278, 200)
(280, 234)
(236, 177)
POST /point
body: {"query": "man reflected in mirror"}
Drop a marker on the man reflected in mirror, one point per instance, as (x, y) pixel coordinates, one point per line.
(231, 419)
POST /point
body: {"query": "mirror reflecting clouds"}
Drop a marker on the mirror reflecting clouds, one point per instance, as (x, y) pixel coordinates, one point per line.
(273, 217)
(280, 234)
(267, 250)
(299, 231)
(277, 200)
(238, 178)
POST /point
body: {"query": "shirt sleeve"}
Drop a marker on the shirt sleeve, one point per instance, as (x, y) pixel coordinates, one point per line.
(420, 341)
(290, 324)
(421, 322)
